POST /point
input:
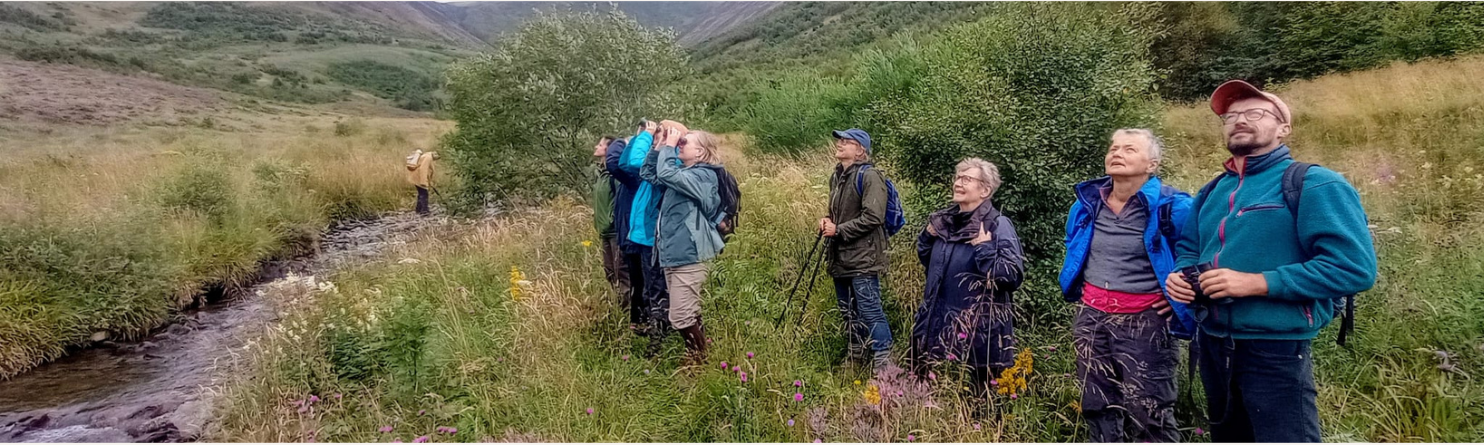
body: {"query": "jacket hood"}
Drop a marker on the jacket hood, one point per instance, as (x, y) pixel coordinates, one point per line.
(1089, 192)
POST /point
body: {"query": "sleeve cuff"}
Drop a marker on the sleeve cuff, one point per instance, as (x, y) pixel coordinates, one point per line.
(1276, 288)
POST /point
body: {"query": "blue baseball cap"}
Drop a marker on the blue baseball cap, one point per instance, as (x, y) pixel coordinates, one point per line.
(857, 135)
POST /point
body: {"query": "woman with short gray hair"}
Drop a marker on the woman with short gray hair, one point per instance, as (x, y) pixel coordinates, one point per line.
(974, 264)
(1125, 351)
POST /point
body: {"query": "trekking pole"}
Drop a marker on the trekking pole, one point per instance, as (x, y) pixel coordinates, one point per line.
(804, 308)
(806, 263)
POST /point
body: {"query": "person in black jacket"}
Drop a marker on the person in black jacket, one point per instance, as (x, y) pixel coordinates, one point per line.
(623, 202)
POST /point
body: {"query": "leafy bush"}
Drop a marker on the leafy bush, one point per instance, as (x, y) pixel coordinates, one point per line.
(199, 188)
(30, 20)
(1037, 92)
(528, 111)
(409, 89)
(793, 113)
(75, 55)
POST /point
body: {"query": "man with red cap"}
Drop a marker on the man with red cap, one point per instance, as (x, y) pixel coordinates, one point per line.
(1272, 251)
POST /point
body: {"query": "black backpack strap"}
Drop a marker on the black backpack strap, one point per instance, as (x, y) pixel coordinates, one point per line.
(1293, 192)
(1293, 185)
(1166, 217)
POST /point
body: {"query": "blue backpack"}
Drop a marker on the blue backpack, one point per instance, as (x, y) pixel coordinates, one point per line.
(895, 217)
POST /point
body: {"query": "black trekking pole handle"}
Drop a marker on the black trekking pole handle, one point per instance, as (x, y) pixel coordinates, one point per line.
(802, 270)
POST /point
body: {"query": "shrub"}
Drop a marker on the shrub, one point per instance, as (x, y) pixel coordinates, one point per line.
(349, 127)
(1037, 92)
(199, 188)
(409, 89)
(793, 113)
(528, 111)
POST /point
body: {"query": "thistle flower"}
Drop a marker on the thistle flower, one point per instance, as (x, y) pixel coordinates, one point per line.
(963, 336)
(798, 397)
(976, 427)
(1199, 431)
(625, 357)
(1014, 396)
(952, 357)
(749, 355)
(724, 365)
(385, 429)
(589, 411)
(313, 399)
(744, 376)
(911, 437)
(798, 383)
(736, 368)
(420, 439)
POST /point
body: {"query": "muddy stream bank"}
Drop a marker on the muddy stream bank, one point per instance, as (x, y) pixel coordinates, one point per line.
(160, 389)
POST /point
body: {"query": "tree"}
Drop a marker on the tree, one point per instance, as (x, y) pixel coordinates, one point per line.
(529, 111)
(1037, 91)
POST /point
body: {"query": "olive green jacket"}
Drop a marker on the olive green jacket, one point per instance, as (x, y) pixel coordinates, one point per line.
(859, 244)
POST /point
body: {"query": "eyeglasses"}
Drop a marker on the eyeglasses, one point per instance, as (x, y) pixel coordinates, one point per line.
(1252, 115)
(966, 179)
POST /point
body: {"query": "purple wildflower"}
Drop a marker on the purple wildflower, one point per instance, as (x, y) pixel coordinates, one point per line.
(962, 336)
(976, 427)
(625, 357)
(385, 429)
(744, 376)
(1051, 348)
(932, 376)
(911, 437)
(749, 355)
(952, 357)
(589, 411)
(995, 382)
(337, 396)
(1014, 396)
(798, 397)
(736, 368)
(420, 439)
(798, 383)
(313, 399)
(790, 422)
(421, 412)
(818, 441)
(724, 365)
(1199, 431)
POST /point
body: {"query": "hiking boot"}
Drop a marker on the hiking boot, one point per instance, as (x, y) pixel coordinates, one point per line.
(881, 361)
(695, 344)
(656, 341)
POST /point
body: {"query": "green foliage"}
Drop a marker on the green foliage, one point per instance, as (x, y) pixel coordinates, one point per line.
(75, 55)
(1204, 44)
(528, 111)
(30, 20)
(201, 188)
(410, 89)
(793, 113)
(1037, 92)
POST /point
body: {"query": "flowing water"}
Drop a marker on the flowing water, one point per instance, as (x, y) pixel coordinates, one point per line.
(160, 389)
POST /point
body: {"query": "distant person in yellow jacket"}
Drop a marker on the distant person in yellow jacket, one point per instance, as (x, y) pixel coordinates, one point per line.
(420, 174)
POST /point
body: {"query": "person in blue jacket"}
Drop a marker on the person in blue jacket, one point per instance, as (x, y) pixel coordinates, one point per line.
(1275, 272)
(643, 222)
(1120, 236)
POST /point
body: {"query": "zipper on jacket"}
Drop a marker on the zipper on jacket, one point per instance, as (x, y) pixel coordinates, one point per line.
(1231, 205)
(1259, 208)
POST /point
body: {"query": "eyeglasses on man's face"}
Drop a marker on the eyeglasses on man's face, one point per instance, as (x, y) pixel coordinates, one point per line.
(1252, 115)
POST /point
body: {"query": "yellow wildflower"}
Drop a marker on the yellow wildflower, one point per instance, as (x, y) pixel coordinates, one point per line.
(517, 279)
(857, 382)
(1013, 379)
(587, 243)
(872, 395)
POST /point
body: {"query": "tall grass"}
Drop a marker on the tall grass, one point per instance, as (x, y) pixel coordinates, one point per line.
(109, 230)
(444, 342)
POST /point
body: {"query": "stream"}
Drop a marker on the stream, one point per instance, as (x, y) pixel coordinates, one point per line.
(160, 389)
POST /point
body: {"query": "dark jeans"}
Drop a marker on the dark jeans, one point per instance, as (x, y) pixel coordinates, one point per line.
(422, 200)
(859, 298)
(633, 267)
(1126, 363)
(1259, 390)
(656, 295)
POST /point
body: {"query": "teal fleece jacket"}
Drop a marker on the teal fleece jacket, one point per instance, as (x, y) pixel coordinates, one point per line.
(1243, 224)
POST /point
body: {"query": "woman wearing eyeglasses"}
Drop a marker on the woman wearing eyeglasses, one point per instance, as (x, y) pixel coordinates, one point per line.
(686, 238)
(974, 264)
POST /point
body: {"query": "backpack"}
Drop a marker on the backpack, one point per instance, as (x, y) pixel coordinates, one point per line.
(731, 201)
(1293, 189)
(1167, 231)
(895, 217)
(412, 159)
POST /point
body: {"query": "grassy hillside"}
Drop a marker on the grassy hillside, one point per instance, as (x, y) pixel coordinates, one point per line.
(542, 352)
(693, 22)
(112, 229)
(274, 51)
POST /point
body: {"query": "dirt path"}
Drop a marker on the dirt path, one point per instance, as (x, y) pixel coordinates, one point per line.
(156, 390)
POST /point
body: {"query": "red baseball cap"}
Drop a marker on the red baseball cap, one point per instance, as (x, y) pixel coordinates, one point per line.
(1234, 90)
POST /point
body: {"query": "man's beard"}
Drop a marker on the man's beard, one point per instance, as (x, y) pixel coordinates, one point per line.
(1244, 148)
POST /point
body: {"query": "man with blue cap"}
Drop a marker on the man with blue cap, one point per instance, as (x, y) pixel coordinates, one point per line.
(857, 244)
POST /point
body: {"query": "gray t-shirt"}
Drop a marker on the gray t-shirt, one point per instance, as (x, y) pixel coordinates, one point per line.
(1116, 260)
